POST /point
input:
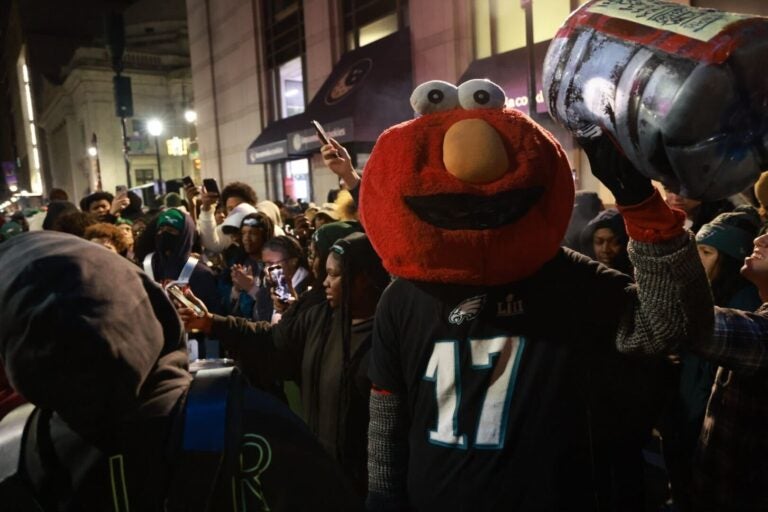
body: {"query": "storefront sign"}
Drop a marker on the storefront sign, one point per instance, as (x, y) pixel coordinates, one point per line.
(306, 140)
(268, 152)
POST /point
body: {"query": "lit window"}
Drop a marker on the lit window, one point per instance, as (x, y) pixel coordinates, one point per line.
(500, 26)
(366, 21)
(284, 51)
(291, 88)
(28, 113)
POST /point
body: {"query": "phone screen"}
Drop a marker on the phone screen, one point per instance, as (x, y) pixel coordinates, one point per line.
(281, 286)
(121, 190)
(187, 180)
(178, 294)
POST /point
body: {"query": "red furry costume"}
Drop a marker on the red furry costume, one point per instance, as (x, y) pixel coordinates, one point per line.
(408, 160)
(492, 352)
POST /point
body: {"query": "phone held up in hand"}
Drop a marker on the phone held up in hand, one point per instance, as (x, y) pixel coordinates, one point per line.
(187, 180)
(279, 283)
(121, 190)
(211, 186)
(324, 139)
(177, 293)
(321, 133)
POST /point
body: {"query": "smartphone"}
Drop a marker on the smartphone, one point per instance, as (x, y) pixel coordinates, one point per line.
(178, 294)
(279, 283)
(211, 186)
(187, 180)
(321, 133)
(121, 190)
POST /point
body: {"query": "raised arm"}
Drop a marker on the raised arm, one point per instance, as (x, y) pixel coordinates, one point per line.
(672, 301)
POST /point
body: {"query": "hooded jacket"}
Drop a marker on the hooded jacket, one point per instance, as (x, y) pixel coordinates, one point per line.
(168, 267)
(610, 219)
(96, 345)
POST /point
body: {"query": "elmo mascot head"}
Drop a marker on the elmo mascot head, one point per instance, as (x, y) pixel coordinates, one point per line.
(469, 192)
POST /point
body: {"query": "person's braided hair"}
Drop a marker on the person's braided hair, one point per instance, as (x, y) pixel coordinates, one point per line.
(356, 257)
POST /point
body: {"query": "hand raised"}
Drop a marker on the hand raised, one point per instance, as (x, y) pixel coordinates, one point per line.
(613, 168)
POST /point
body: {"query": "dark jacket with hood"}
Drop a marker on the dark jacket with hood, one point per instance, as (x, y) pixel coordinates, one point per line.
(98, 348)
(168, 267)
(307, 350)
(610, 219)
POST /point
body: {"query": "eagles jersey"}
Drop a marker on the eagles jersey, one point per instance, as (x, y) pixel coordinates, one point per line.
(515, 393)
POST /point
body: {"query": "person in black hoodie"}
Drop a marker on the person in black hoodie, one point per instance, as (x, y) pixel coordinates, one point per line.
(96, 345)
(165, 247)
(324, 349)
(605, 239)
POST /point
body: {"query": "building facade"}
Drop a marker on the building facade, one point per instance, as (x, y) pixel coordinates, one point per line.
(80, 119)
(262, 70)
(62, 127)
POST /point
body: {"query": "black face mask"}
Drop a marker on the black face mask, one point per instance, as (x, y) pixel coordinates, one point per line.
(166, 242)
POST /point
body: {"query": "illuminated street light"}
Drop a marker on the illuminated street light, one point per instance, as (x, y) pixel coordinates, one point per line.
(190, 116)
(93, 152)
(155, 128)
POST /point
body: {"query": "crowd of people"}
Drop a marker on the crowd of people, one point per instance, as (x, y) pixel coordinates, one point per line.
(289, 293)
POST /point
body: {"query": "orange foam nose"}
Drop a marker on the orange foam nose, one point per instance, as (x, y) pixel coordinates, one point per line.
(473, 152)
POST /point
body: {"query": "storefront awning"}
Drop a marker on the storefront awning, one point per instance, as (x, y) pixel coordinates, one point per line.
(271, 144)
(510, 71)
(367, 92)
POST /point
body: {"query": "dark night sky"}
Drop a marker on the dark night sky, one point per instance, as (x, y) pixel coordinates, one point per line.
(53, 29)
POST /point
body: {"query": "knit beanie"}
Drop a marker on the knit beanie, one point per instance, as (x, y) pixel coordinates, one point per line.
(171, 217)
(327, 235)
(172, 200)
(10, 229)
(731, 233)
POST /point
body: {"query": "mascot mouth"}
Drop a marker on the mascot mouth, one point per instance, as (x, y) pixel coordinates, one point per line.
(469, 211)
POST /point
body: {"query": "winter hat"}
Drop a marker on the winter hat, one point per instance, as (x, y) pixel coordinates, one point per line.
(173, 200)
(171, 217)
(10, 229)
(327, 235)
(731, 233)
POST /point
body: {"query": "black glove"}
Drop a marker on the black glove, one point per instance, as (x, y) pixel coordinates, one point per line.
(613, 169)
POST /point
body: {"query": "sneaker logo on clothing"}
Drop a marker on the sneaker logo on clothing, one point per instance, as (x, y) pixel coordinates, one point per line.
(510, 307)
(467, 310)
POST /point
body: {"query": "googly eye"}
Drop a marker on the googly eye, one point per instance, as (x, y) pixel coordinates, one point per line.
(481, 93)
(434, 96)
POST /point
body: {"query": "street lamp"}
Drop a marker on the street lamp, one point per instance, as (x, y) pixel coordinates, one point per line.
(93, 152)
(190, 116)
(155, 128)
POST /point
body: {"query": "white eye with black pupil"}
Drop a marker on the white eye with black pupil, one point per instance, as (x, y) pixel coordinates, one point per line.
(434, 96)
(481, 93)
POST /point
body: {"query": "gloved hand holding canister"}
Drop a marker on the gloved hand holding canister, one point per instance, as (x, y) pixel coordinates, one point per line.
(683, 91)
(646, 215)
